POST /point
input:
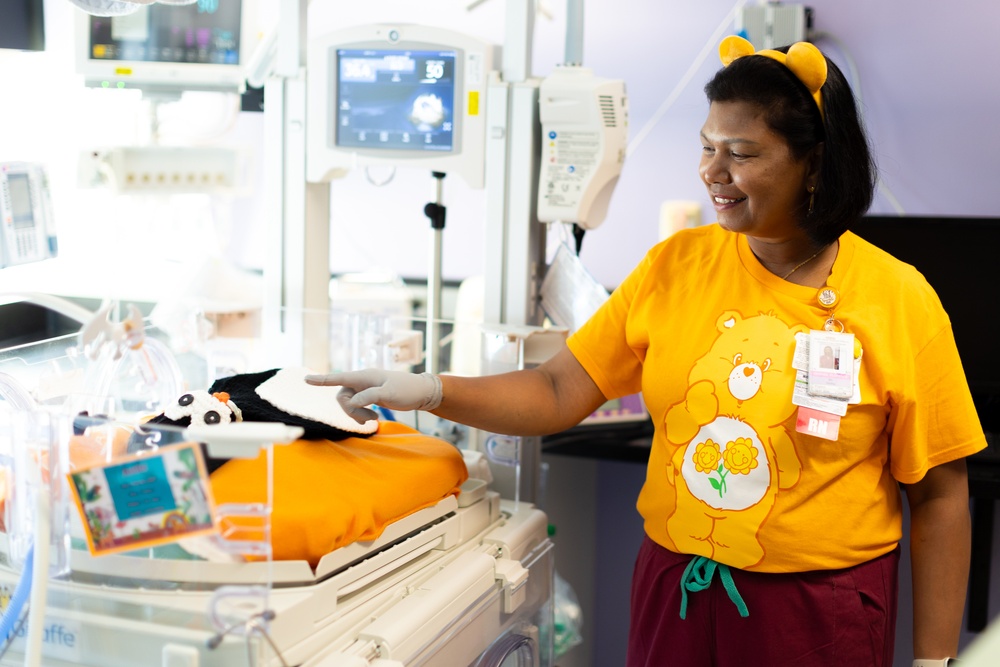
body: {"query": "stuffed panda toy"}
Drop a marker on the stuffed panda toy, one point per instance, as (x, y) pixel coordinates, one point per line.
(276, 395)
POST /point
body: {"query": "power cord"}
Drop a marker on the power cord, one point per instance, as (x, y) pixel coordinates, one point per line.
(255, 624)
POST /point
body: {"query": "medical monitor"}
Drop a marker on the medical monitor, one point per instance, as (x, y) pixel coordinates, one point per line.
(398, 95)
(168, 49)
(395, 100)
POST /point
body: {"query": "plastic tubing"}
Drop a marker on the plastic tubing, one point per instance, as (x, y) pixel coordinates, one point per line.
(39, 579)
(16, 395)
(17, 600)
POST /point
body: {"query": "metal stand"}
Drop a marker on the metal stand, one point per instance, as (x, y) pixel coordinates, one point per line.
(436, 212)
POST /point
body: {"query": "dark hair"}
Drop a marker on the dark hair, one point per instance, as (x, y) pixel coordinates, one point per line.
(847, 177)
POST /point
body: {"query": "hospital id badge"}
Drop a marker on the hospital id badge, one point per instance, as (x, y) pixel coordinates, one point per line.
(831, 364)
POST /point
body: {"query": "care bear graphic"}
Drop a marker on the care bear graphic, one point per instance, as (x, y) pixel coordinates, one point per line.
(731, 451)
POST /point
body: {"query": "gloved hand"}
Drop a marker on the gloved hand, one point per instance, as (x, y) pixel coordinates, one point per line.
(395, 390)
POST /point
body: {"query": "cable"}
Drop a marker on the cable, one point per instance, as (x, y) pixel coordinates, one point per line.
(13, 635)
(15, 396)
(388, 179)
(578, 233)
(855, 80)
(181, 117)
(252, 625)
(21, 593)
(255, 626)
(710, 45)
(39, 578)
(854, 73)
(508, 645)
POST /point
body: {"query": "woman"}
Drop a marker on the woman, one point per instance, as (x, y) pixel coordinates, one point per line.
(766, 469)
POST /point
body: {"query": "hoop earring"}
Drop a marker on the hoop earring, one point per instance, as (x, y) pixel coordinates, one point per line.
(812, 199)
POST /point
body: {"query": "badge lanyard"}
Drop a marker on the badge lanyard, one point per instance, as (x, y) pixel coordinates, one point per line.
(827, 366)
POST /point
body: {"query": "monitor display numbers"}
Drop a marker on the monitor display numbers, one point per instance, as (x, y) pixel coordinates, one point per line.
(169, 34)
(396, 100)
(434, 70)
(406, 96)
(358, 70)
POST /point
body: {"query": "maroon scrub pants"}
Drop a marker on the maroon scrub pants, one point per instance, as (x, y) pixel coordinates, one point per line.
(829, 618)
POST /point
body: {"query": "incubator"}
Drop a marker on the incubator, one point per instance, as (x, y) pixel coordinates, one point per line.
(159, 512)
(255, 550)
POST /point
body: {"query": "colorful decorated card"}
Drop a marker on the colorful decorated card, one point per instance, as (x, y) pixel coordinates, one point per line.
(146, 500)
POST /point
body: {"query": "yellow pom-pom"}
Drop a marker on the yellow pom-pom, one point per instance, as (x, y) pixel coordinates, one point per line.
(808, 64)
(734, 47)
(805, 61)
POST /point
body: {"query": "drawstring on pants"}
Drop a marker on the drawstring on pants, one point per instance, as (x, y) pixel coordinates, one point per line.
(698, 576)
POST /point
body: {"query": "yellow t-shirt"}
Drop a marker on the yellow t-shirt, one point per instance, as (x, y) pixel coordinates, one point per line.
(708, 335)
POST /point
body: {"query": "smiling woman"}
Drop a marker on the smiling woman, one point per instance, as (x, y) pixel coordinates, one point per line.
(758, 186)
(777, 168)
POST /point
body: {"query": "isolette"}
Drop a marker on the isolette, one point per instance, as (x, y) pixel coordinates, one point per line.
(464, 580)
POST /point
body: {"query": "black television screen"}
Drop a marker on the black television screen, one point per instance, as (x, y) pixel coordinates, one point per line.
(960, 257)
(396, 99)
(22, 26)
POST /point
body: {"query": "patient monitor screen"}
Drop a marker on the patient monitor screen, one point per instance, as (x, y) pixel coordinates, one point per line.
(20, 200)
(396, 99)
(170, 34)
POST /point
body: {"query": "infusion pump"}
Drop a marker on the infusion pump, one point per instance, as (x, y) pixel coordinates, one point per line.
(584, 136)
(26, 214)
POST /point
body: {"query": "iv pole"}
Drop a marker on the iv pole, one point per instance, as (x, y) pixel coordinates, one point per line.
(435, 210)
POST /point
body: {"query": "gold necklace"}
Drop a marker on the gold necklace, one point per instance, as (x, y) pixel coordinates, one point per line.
(804, 262)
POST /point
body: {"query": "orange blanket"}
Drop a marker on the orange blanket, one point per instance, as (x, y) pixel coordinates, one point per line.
(330, 494)
(326, 494)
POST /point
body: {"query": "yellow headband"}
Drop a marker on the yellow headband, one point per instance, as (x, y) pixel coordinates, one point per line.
(804, 60)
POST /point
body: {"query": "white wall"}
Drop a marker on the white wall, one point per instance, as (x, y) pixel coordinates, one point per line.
(924, 72)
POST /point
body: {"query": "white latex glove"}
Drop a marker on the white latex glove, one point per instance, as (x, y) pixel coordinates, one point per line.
(395, 390)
